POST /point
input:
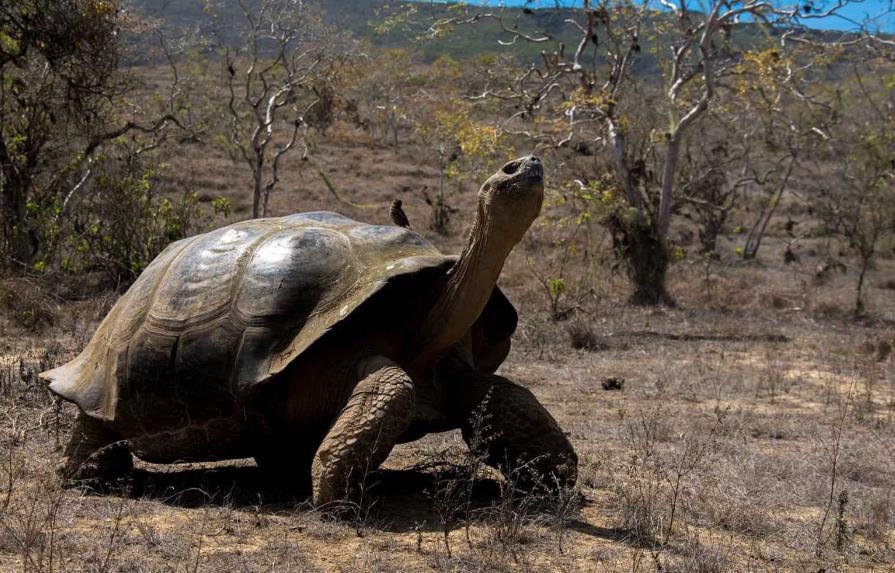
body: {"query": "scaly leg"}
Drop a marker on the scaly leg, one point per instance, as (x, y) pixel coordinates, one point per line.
(376, 415)
(514, 432)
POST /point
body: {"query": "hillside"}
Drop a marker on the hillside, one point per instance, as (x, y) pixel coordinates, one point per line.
(363, 19)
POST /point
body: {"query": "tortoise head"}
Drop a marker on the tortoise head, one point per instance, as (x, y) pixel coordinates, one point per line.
(510, 200)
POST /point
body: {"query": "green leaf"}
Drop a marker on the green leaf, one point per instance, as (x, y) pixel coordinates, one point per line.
(556, 286)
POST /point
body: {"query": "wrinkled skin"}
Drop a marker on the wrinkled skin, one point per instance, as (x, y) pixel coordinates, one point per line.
(419, 360)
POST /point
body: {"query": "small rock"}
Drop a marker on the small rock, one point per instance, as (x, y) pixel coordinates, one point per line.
(614, 383)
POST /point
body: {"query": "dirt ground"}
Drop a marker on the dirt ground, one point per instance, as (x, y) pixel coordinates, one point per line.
(752, 428)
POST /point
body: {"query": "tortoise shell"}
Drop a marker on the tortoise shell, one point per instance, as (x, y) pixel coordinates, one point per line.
(220, 313)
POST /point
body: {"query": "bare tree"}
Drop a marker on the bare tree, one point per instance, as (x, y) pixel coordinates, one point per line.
(707, 190)
(386, 86)
(788, 119)
(271, 78)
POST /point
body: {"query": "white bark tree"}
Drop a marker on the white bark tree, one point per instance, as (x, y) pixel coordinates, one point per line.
(269, 80)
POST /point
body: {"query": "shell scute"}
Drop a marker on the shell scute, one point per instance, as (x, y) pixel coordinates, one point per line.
(145, 378)
(199, 284)
(291, 274)
(203, 380)
(135, 303)
(392, 240)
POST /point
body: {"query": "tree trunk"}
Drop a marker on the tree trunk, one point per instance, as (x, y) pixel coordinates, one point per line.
(859, 291)
(20, 243)
(646, 259)
(665, 198)
(712, 226)
(632, 194)
(648, 267)
(756, 233)
(257, 191)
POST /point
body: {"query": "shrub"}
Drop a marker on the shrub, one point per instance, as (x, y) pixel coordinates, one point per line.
(27, 304)
(583, 337)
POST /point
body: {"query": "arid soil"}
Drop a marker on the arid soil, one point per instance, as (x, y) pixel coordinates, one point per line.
(751, 428)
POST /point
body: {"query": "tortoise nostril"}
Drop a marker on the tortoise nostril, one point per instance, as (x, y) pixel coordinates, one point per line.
(511, 167)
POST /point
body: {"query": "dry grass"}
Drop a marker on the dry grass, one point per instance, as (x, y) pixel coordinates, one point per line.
(754, 430)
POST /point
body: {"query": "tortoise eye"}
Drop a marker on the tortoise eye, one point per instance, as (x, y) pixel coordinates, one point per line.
(511, 167)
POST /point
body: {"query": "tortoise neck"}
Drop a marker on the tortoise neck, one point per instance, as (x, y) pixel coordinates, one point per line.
(468, 287)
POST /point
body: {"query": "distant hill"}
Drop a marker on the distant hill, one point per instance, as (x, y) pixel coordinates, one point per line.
(362, 18)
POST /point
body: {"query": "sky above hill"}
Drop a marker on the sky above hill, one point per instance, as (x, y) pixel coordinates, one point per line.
(877, 12)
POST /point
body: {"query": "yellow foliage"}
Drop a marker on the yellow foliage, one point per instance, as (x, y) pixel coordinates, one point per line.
(582, 99)
(102, 7)
(764, 69)
(454, 127)
(446, 67)
(476, 138)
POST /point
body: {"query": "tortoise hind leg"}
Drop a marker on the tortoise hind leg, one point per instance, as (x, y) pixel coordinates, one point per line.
(95, 455)
(511, 429)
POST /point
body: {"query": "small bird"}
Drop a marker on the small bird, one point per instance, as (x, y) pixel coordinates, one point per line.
(399, 217)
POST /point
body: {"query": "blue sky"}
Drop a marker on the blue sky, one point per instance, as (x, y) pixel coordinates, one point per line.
(854, 12)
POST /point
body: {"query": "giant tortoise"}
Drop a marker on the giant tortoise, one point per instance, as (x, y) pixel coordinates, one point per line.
(313, 343)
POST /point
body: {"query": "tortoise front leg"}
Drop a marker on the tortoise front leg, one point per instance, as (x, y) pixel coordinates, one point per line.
(508, 425)
(378, 412)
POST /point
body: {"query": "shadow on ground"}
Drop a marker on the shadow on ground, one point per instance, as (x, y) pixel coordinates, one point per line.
(231, 486)
(402, 499)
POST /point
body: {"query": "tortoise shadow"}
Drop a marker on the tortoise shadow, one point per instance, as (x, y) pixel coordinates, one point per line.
(225, 486)
(249, 486)
(402, 499)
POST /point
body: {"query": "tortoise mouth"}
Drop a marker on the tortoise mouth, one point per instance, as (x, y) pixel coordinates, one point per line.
(535, 170)
(526, 182)
(531, 182)
(532, 176)
(534, 180)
